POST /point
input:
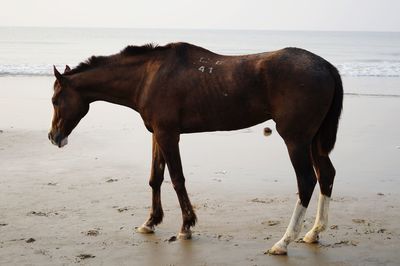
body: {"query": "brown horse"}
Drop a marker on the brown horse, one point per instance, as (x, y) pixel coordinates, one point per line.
(181, 88)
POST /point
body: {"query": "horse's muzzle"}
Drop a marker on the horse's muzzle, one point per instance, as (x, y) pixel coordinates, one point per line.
(58, 139)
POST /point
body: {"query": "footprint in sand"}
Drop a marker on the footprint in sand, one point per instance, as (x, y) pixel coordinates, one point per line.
(271, 222)
(358, 221)
(92, 232)
(85, 256)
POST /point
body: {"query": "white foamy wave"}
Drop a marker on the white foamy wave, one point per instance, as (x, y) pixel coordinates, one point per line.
(26, 70)
(370, 69)
(353, 69)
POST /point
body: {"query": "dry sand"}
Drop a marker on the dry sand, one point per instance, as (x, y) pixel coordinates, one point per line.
(80, 204)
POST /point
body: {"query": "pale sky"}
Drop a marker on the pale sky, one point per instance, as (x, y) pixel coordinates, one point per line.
(348, 15)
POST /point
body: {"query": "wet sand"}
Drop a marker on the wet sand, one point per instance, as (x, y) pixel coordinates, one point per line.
(80, 204)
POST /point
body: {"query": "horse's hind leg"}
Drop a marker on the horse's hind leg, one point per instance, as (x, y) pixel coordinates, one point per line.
(300, 156)
(325, 174)
(156, 179)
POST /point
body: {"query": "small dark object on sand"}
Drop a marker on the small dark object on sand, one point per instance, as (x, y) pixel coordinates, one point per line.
(272, 223)
(38, 213)
(122, 209)
(172, 239)
(30, 240)
(92, 232)
(267, 131)
(85, 256)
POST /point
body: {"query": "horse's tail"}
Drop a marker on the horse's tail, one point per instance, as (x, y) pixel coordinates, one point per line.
(326, 136)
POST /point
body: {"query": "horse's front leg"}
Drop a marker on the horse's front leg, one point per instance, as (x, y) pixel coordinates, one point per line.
(156, 179)
(169, 144)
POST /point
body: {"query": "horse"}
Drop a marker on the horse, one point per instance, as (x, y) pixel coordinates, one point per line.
(181, 88)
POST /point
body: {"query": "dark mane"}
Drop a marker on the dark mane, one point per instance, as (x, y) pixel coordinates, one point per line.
(90, 63)
(137, 50)
(130, 50)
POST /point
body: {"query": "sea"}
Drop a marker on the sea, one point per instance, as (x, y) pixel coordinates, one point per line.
(370, 60)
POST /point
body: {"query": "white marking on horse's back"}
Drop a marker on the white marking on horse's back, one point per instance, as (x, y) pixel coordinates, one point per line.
(204, 60)
(203, 69)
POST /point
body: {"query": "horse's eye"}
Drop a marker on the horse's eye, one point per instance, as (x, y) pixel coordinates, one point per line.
(55, 101)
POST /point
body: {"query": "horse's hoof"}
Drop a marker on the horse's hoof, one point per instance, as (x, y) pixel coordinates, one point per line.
(277, 249)
(185, 235)
(311, 237)
(145, 229)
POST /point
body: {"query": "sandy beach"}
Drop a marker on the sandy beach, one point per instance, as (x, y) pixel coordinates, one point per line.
(81, 204)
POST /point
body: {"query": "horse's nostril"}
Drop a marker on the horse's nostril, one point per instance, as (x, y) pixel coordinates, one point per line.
(57, 137)
(49, 135)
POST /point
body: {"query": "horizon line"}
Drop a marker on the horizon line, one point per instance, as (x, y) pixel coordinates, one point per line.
(196, 29)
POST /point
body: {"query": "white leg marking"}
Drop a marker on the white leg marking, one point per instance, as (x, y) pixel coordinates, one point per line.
(293, 230)
(185, 235)
(145, 229)
(321, 221)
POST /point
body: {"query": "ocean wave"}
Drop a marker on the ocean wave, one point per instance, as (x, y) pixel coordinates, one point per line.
(353, 69)
(26, 70)
(370, 69)
(372, 94)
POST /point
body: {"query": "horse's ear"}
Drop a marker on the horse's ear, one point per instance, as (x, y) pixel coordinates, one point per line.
(56, 73)
(59, 76)
(67, 69)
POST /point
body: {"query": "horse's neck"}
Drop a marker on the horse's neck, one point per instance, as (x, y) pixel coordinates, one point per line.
(114, 87)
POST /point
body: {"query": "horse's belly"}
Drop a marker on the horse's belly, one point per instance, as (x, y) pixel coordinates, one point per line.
(223, 119)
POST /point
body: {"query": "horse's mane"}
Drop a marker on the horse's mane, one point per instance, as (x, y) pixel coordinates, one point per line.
(137, 50)
(130, 50)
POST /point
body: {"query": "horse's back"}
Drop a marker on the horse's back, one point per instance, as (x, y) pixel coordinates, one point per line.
(206, 91)
(212, 91)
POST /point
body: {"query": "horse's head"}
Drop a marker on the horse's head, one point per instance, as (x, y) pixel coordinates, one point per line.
(69, 108)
